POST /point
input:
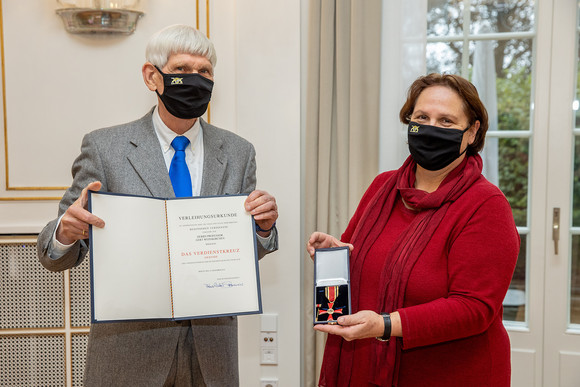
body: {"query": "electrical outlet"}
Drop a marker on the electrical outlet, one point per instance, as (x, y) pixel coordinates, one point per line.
(269, 348)
(269, 383)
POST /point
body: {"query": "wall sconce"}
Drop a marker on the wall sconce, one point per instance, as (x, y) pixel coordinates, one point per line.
(100, 16)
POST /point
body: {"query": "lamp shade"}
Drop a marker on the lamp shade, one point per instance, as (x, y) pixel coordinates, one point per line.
(100, 16)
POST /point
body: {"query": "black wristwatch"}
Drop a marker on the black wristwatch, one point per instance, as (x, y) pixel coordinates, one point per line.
(258, 228)
(387, 332)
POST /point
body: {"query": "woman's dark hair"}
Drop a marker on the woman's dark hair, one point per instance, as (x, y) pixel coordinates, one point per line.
(472, 105)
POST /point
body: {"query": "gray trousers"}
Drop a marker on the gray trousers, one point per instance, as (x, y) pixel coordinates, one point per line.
(185, 370)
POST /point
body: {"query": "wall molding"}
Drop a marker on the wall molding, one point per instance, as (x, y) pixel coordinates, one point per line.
(24, 189)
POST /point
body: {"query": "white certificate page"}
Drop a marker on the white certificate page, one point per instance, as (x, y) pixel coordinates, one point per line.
(214, 267)
(129, 265)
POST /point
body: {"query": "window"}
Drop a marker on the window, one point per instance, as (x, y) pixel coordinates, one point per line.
(575, 229)
(491, 44)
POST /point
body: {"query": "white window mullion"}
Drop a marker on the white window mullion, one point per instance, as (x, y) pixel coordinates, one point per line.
(465, 51)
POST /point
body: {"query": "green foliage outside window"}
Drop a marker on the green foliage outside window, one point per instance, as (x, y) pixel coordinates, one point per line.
(513, 93)
(576, 182)
(576, 177)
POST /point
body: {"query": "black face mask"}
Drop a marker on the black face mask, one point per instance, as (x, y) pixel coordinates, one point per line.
(185, 95)
(434, 148)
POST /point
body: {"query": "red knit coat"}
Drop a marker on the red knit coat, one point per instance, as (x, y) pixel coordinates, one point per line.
(452, 315)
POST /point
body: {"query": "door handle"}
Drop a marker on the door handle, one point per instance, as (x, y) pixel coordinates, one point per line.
(556, 228)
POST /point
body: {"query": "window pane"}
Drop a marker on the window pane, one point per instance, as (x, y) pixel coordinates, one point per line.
(501, 69)
(575, 281)
(514, 304)
(576, 176)
(576, 182)
(444, 18)
(575, 251)
(444, 57)
(501, 16)
(514, 84)
(576, 105)
(510, 63)
(513, 175)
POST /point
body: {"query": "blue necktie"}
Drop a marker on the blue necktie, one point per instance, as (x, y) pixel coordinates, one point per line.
(178, 171)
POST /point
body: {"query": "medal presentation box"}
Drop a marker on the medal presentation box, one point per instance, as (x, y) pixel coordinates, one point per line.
(331, 284)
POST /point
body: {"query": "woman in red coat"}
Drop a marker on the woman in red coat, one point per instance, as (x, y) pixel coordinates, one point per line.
(434, 246)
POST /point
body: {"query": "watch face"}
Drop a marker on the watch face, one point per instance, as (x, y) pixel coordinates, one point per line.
(331, 303)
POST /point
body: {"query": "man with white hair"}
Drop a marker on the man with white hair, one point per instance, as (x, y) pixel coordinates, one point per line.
(138, 158)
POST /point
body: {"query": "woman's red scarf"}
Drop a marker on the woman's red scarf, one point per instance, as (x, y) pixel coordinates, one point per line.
(338, 354)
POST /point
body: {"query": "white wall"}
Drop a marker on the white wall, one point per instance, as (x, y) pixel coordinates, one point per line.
(58, 87)
(260, 99)
(61, 86)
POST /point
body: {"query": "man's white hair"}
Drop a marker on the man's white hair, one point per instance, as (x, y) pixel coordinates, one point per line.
(178, 39)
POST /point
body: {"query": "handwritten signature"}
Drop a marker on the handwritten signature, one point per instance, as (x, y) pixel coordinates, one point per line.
(224, 284)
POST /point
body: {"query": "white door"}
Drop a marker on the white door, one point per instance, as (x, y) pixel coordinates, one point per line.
(561, 256)
(546, 341)
(523, 57)
(543, 346)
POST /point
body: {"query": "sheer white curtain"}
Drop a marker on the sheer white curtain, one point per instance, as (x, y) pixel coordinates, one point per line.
(404, 31)
(484, 79)
(342, 121)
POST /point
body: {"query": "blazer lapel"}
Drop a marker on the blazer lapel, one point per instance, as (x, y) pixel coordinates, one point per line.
(214, 161)
(147, 159)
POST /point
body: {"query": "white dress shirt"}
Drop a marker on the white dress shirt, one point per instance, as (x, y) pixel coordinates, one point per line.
(193, 151)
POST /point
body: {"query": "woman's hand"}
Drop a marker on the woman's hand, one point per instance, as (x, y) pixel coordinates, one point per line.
(320, 240)
(360, 325)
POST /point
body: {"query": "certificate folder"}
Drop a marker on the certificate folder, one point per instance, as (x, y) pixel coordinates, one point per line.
(172, 259)
(331, 284)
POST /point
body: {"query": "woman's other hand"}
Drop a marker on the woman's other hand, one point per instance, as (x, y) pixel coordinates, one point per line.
(360, 325)
(320, 240)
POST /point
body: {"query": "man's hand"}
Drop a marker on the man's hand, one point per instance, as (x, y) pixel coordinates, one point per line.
(320, 240)
(75, 222)
(263, 207)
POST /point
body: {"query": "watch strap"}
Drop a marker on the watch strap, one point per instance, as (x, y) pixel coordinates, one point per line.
(387, 332)
(258, 228)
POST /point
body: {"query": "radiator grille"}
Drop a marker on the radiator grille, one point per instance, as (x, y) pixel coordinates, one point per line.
(79, 355)
(41, 343)
(30, 295)
(32, 360)
(80, 294)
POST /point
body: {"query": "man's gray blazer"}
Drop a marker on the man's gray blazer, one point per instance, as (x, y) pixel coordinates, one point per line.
(128, 159)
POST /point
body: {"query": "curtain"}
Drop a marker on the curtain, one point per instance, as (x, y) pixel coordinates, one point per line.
(342, 130)
(404, 39)
(484, 79)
